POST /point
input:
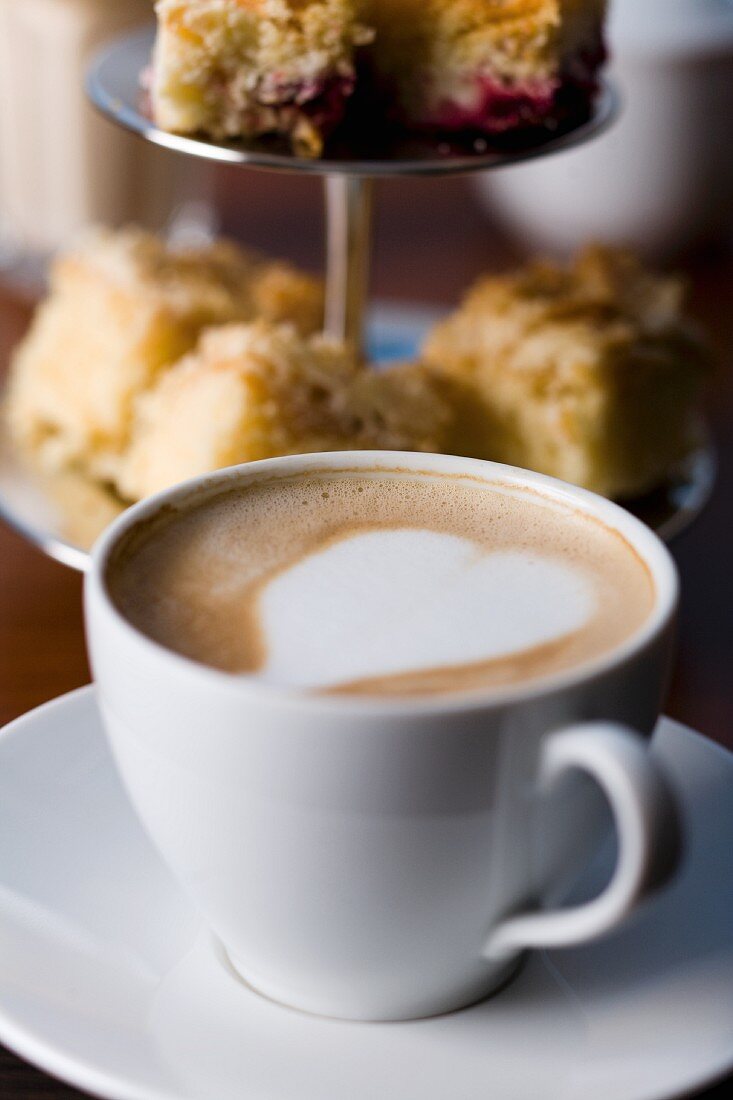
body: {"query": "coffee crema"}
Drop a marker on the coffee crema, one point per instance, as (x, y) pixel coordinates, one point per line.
(382, 583)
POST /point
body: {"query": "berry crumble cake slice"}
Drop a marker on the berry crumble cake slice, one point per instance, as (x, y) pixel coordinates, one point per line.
(246, 68)
(486, 66)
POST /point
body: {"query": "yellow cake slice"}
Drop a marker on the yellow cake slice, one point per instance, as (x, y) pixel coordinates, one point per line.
(590, 373)
(257, 391)
(245, 68)
(486, 66)
(122, 308)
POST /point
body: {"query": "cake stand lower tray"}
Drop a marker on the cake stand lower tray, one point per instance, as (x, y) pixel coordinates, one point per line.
(62, 515)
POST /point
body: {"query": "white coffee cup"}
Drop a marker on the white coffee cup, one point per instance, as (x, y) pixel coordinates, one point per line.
(384, 859)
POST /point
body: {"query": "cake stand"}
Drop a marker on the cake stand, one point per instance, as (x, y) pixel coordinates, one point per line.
(41, 509)
(349, 171)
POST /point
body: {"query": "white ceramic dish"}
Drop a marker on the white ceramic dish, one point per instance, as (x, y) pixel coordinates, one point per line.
(107, 981)
(662, 178)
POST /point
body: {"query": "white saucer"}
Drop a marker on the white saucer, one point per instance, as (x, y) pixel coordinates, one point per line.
(108, 981)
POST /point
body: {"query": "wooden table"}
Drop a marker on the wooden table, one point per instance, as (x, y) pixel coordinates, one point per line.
(432, 240)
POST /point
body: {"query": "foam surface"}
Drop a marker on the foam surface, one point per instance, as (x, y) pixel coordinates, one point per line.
(384, 602)
(384, 583)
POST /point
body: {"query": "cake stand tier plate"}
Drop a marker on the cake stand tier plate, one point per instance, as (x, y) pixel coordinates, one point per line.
(63, 515)
(351, 165)
(114, 86)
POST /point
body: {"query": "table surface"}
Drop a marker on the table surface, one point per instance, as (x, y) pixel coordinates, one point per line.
(431, 240)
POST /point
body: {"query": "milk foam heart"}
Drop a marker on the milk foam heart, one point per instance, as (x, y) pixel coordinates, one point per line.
(382, 583)
(385, 602)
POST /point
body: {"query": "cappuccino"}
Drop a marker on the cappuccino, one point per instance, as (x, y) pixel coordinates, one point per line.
(382, 583)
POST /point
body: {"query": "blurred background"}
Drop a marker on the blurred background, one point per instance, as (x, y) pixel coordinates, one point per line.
(661, 181)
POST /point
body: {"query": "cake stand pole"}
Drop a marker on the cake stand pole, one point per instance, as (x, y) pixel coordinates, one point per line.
(348, 255)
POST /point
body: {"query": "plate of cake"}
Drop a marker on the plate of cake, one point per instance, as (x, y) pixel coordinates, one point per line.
(361, 86)
(147, 365)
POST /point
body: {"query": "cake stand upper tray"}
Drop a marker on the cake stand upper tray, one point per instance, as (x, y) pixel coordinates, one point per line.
(113, 85)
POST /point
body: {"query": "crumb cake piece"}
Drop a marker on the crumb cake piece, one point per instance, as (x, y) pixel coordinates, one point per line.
(245, 68)
(487, 66)
(257, 391)
(281, 293)
(589, 373)
(122, 308)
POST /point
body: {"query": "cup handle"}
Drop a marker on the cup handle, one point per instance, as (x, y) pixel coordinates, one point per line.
(646, 820)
